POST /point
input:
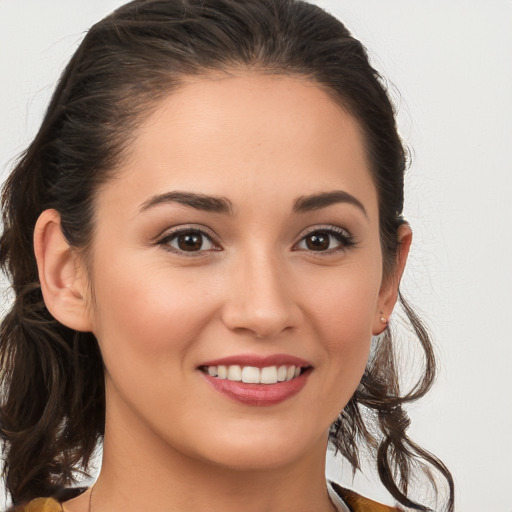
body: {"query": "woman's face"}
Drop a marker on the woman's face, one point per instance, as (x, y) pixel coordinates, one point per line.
(240, 237)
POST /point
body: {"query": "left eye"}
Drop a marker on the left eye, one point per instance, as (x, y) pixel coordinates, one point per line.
(189, 241)
(325, 240)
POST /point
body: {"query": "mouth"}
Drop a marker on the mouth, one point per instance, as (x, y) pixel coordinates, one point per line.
(254, 375)
(257, 381)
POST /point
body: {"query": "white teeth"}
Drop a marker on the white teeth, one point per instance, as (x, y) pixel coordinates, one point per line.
(281, 373)
(251, 375)
(268, 375)
(254, 375)
(234, 372)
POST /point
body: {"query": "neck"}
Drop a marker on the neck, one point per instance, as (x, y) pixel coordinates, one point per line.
(141, 472)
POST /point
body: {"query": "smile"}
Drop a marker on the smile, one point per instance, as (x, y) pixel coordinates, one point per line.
(252, 374)
(257, 380)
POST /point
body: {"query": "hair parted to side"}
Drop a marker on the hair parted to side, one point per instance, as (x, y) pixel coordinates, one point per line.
(52, 409)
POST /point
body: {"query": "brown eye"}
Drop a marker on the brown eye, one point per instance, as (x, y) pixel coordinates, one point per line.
(318, 241)
(189, 241)
(328, 240)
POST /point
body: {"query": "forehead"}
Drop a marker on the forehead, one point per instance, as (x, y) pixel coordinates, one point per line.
(248, 132)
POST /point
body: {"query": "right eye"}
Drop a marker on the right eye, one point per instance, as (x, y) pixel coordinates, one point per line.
(188, 241)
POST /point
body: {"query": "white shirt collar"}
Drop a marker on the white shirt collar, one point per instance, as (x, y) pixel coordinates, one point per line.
(336, 499)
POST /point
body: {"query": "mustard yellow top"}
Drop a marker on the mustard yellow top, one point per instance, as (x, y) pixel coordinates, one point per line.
(40, 505)
(355, 502)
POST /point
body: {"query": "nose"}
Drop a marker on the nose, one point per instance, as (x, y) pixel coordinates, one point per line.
(261, 299)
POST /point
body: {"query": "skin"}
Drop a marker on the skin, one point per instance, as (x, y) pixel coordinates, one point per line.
(262, 142)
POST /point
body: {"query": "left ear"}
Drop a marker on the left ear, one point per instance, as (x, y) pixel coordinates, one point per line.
(388, 293)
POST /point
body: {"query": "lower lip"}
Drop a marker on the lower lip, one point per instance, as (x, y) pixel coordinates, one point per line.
(258, 394)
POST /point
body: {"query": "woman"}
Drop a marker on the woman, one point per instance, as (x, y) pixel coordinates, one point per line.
(203, 240)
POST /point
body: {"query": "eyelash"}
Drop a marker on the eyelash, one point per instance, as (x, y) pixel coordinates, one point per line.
(345, 239)
(172, 235)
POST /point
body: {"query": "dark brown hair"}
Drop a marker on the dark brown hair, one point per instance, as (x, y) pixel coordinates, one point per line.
(52, 409)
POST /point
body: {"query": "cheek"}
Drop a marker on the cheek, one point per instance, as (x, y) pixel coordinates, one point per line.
(346, 302)
(150, 316)
(343, 313)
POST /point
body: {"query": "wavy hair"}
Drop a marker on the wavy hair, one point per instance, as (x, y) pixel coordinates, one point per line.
(52, 410)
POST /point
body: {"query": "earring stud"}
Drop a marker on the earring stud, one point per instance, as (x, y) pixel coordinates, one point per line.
(383, 320)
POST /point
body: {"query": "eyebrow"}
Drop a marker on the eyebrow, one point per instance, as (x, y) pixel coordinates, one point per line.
(324, 199)
(223, 205)
(197, 201)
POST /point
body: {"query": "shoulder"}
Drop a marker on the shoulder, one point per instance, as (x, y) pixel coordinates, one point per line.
(39, 505)
(49, 504)
(358, 503)
(355, 502)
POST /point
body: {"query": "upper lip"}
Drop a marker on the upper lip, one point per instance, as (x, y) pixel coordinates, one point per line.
(258, 361)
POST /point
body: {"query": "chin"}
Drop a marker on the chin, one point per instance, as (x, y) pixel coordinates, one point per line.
(250, 459)
(263, 450)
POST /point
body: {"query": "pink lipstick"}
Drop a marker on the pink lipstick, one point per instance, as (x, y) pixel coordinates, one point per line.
(255, 380)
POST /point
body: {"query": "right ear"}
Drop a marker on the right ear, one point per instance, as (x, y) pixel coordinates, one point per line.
(61, 274)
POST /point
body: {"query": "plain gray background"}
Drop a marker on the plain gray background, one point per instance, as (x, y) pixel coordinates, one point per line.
(449, 63)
